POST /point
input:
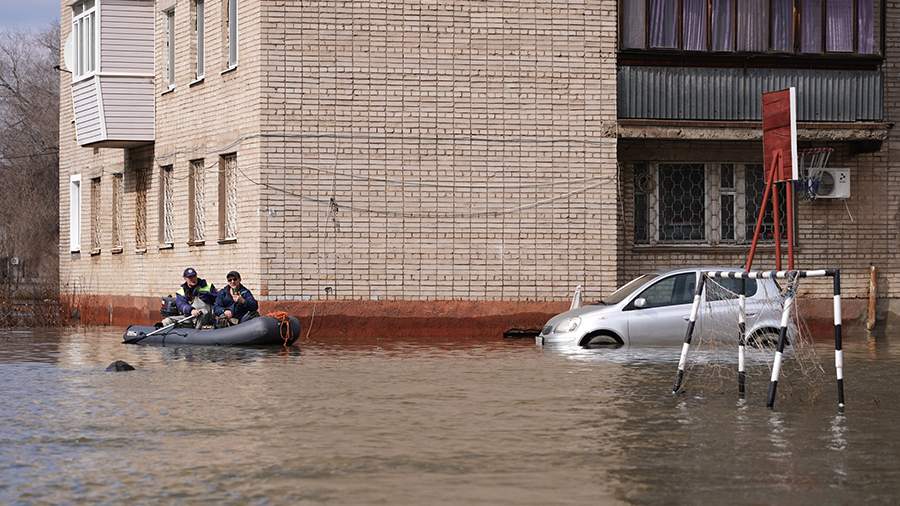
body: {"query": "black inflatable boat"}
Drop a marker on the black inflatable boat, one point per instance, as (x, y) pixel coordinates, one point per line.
(262, 331)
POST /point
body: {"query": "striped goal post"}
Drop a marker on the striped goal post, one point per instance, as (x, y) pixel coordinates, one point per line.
(793, 277)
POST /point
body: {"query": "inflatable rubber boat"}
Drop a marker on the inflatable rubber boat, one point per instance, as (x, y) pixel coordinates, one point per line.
(261, 331)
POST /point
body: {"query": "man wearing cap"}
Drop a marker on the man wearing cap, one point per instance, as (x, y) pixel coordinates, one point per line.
(195, 298)
(235, 302)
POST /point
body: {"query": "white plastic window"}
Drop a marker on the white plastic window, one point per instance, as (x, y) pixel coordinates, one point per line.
(84, 28)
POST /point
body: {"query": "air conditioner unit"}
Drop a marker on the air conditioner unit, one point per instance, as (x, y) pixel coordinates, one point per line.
(831, 183)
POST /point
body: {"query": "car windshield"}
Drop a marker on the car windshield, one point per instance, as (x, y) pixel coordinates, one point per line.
(620, 294)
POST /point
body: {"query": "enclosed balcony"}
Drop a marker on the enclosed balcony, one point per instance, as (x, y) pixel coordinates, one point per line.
(698, 68)
(110, 55)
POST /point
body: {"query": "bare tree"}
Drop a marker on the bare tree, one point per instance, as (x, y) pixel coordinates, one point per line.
(29, 158)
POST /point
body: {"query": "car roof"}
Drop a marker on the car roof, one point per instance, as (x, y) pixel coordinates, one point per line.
(695, 269)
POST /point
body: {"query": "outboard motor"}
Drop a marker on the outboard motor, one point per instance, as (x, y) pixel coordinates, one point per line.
(168, 307)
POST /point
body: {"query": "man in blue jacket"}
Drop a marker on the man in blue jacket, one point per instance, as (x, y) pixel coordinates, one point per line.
(235, 302)
(195, 297)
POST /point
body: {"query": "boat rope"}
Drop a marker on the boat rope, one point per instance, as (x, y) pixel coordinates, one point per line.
(284, 326)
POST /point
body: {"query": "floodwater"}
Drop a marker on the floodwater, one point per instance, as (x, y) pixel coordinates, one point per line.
(453, 423)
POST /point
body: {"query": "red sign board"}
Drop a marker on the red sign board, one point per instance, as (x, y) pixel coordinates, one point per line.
(779, 118)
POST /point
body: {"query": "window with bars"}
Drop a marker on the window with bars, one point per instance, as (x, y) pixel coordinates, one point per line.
(166, 207)
(778, 26)
(96, 215)
(228, 197)
(118, 205)
(141, 182)
(700, 203)
(196, 199)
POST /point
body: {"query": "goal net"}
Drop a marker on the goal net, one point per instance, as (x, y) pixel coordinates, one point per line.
(735, 339)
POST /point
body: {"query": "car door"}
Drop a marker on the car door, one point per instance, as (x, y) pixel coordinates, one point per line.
(664, 317)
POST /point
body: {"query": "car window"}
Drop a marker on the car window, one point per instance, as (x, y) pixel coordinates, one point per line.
(670, 291)
(623, 292)
(728, 288)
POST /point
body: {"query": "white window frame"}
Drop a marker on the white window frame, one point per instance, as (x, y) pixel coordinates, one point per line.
(199, 27)
(85, 30)
(231, 33)
(75, 213)
(170, 47)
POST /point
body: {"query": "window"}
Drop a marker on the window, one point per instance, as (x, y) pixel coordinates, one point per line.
(228, 197)
(682, 197)
(96, 215)
(166, 207)
(727, 201)
(196, 198)
(170, 48)
(118, 204)
(671, 291)
(230, 32)
(84, 30)
(198, 22)
(697, 203)
(140, 208)
(75, 213)
(755, 187)
(758, 26)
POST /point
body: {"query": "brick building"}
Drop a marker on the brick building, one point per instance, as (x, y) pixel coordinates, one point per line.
(429, 168)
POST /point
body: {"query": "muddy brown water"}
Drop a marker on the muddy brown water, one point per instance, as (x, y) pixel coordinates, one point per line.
(504, 422)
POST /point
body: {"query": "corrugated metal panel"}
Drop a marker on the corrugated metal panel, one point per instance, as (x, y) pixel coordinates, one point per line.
(734, 94)
(126, 36)
(87, 111)
(128, 107)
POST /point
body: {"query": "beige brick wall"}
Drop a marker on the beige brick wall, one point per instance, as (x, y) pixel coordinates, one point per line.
(423, 150)
(217, 116)
(466, 147)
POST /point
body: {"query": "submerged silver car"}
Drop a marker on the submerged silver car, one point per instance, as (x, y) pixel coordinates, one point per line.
(654, 309)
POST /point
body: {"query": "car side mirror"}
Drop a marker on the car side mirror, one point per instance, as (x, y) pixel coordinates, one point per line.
(640, 302)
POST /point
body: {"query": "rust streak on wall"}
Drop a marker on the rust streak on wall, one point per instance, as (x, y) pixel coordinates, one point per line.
(350, 321)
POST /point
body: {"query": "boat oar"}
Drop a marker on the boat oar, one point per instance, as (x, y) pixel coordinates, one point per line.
(157, 331)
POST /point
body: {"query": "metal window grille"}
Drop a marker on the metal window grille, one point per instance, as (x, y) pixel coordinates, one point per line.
(727, 201)
(228, 199)
(197, 198)
(118, 205)
(167, 232)
(643, 186)
(140, 208)
(754, 186)
(96, 217)
(682, 202)
(705, 203)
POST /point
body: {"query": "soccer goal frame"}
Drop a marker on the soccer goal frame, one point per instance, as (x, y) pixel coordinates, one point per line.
(793, 277)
